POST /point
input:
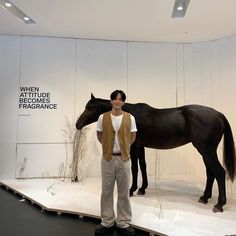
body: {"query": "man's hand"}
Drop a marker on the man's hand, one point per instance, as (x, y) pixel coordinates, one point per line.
(99, 136)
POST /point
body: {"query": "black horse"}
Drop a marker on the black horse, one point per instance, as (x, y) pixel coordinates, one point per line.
(174, 127)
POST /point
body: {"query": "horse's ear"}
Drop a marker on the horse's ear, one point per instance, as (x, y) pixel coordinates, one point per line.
(92, 97)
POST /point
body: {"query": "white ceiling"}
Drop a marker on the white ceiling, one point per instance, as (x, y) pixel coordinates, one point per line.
(131, 20)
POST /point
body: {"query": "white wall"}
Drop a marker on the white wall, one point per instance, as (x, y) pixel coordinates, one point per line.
(9, 79)
(48, 63)
(162, 75)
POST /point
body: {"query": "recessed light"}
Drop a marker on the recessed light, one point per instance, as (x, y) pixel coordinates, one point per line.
(26, 18)
(11, 7)
(8, 4)
(180, 8)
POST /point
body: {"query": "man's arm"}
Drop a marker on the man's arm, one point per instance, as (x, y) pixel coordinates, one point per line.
(133, 129)
(133, 137)
(99, 136)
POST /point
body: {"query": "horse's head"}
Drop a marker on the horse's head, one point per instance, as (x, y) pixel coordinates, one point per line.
(93, 109)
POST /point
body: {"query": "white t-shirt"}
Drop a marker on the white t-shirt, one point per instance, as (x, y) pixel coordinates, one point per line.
(116, 122)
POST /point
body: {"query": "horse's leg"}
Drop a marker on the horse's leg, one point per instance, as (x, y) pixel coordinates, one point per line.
(209, 184)
(212, 162)
(134, 168)
(142, 165)
(220, 178)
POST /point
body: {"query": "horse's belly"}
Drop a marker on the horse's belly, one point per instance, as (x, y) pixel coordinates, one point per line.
(162, 142)
(165, 145)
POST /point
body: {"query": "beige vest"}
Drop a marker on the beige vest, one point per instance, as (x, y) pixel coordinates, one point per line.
(108, 136)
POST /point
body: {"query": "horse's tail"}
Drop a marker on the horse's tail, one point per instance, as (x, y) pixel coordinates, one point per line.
(229, 150)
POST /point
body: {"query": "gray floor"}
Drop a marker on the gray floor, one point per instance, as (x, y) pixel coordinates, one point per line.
(24, 219)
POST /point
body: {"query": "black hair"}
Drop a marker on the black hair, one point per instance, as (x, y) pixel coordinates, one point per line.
(115, 93)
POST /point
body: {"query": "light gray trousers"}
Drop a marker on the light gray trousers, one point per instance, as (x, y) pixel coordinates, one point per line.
(119, 171)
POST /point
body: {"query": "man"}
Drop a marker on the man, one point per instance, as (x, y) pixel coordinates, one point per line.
(116, 131)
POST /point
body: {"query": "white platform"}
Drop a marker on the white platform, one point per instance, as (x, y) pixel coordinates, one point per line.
(169, 207)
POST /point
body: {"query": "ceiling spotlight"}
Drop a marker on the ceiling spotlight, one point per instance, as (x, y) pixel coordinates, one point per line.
(11, 7)
(180, 8)
(8, 4)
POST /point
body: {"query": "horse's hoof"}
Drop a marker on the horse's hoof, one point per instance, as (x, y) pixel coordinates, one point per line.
(203, 200)
(132, 190)
(217, 209)
(141, 192)
(131, 193)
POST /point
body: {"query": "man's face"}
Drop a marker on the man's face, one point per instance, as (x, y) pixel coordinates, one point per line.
(117, 103)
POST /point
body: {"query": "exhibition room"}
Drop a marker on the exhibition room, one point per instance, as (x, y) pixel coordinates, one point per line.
(118, 117)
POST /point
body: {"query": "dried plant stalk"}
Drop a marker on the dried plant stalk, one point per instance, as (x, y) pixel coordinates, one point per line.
(79, 146)
(75, 141)
(78, 140)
